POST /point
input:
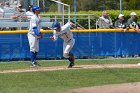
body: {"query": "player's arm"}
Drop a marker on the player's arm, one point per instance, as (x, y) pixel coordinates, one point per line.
(15, 16)
(54, 37)
(75, 26)
(37, 32)
(36, 29)
(34, 26)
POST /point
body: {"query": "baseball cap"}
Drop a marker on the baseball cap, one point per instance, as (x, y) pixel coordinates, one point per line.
(120, 15)
(133, 13)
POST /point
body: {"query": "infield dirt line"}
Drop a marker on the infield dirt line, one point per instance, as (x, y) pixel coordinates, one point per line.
(54, 68)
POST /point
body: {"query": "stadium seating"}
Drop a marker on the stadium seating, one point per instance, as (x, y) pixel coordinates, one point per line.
(6, 20)
(8, 13)
(8, 23)
(23, 24)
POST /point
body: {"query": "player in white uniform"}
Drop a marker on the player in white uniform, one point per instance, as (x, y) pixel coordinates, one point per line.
(29, 13)
(34, 34)
(64, 33)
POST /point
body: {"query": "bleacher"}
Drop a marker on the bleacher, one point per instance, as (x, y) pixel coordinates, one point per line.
(8, 13)
(8, 22)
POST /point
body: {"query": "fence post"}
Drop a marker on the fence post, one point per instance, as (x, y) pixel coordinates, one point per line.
(63, 15)
(55, 18)
(88, 21)
(96, 24)
(120, 6)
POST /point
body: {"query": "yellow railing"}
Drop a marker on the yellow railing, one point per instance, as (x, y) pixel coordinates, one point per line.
(50, 31)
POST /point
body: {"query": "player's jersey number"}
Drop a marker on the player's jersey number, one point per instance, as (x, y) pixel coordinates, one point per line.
(65, 36)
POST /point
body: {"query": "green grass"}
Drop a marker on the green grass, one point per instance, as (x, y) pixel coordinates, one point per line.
(62, 81)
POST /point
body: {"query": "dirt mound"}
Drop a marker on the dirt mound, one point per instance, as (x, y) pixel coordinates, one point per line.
(115, 88)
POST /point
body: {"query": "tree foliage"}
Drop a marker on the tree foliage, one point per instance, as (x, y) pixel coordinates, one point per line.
(134, 4)
(84, 5)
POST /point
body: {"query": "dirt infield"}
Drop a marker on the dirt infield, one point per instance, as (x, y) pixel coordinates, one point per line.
(115, 88)
(96, 66)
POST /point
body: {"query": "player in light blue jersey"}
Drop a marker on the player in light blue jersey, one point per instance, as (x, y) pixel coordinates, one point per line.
(34, 34)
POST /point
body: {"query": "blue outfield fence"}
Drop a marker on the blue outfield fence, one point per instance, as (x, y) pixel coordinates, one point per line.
(87, 44)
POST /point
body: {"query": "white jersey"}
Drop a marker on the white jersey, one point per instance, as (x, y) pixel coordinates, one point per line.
(29, 14)
(34, 22)
(64, 33)
(33, 41)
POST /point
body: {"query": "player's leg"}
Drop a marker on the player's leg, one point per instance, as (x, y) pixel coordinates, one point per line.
(36, 52)
(36, 46)
(32, 57)
(32, 52)
(33, 48)
(35, 55)
(71, 57)
(67, 54)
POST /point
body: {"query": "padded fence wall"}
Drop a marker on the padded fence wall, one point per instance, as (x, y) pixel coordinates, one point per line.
(15, 46)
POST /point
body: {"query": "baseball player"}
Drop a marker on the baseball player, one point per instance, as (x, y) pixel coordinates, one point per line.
(34, 34)
(65, 33)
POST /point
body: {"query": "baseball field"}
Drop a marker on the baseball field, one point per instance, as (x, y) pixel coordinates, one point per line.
(55, 77)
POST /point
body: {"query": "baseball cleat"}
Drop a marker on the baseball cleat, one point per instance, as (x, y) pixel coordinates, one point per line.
(71, 65)
(35, 64)
(71, 59)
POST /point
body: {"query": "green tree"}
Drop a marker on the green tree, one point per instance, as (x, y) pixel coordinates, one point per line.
(133, 4)
(85, 5)
(69, 2)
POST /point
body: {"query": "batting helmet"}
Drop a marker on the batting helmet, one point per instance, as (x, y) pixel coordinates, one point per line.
(55, 25)
(35, 8)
